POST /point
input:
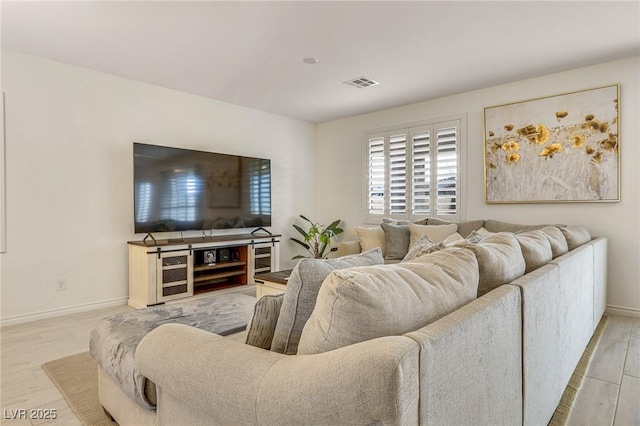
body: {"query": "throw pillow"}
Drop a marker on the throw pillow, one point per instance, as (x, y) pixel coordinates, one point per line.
(556, 239)
(536, 249)
(436, 233)
(575, 235)
(477, 234)
(464, 228)
(397, 239)
(365, 303)
(371, 237)
(263, 321)
(425, 246)
(499, 259)
(301, 293)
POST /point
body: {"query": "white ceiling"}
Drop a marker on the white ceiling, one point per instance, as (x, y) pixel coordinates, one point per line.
(250, 53)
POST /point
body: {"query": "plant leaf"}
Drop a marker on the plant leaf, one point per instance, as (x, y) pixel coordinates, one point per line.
(299, 256)
(305, 245)
(302, 231)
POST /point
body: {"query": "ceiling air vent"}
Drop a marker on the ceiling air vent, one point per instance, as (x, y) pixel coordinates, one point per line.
(361, 82)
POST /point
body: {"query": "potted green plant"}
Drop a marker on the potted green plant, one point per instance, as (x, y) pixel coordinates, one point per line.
(317, 239)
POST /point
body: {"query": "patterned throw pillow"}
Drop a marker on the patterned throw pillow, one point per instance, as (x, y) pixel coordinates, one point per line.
(263, 321)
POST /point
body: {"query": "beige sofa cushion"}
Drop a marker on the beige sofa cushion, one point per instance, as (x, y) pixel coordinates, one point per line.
(500, 260)
(301, 293)
(371, 237)
(436, 233)
(359, 304)
(464, 228)
(263, 321)
(498, 226)
(576, 235)
(556, 239)
(536, 249)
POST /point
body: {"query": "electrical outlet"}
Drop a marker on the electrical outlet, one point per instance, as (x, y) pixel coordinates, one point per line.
(61, 284)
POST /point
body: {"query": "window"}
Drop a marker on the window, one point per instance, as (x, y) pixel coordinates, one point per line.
(180, 191)
(260, 186)
(414, 172)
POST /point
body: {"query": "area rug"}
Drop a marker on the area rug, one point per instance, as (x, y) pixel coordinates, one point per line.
(76, 377)
(563, 411)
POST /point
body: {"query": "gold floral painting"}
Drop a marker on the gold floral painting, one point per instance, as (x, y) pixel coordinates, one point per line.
(560, 148)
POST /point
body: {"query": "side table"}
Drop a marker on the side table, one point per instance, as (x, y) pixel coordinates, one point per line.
(271, 282)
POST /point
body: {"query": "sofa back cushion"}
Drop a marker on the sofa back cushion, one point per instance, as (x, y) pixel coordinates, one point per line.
(436, 233)
(464, 228)
(536, 249)
(359, 304)
(498, 226)
(301, 293)
(500, 260)
(556, 239)
(576, 235)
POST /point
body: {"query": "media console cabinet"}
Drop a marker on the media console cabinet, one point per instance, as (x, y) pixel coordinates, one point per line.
(164, 270)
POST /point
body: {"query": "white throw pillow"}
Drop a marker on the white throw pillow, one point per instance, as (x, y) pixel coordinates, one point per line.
(371, 237)
(364, 303)
(436, 233)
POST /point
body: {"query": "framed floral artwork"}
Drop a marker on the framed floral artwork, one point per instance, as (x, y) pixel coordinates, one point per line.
(562, 148)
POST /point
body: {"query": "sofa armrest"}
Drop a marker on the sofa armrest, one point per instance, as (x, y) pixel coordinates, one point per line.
(346, 248)
(473, 358)
(203, 378)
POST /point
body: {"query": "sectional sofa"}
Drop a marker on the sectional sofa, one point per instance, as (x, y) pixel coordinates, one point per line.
(404, 343)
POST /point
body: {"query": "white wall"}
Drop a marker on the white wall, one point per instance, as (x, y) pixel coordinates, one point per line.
(340, 176)
(69, 134)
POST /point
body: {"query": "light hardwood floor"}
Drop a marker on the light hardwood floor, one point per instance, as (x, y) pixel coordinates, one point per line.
(609, 395)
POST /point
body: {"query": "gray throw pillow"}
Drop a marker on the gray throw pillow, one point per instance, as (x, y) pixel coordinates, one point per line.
(302, 291)
(397, 239)
(262, 324)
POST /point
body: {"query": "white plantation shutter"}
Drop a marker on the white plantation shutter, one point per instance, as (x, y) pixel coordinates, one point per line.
(421, 171)
(415, 173)
(447, 169)
(376, 175)
(398, 174)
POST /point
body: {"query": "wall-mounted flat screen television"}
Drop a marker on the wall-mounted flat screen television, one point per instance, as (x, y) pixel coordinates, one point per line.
(185, 190)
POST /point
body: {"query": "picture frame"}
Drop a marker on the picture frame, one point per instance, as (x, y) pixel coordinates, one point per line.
(561, 148)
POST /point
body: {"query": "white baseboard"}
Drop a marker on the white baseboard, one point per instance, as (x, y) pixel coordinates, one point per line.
(20, 319)
(621, 310)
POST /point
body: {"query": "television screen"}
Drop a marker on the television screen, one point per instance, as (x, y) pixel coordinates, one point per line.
(180, 190)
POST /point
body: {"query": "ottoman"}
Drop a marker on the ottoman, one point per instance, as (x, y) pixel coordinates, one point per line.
(114, 340)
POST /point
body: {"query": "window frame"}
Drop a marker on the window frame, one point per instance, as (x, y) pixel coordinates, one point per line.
(409, 129)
